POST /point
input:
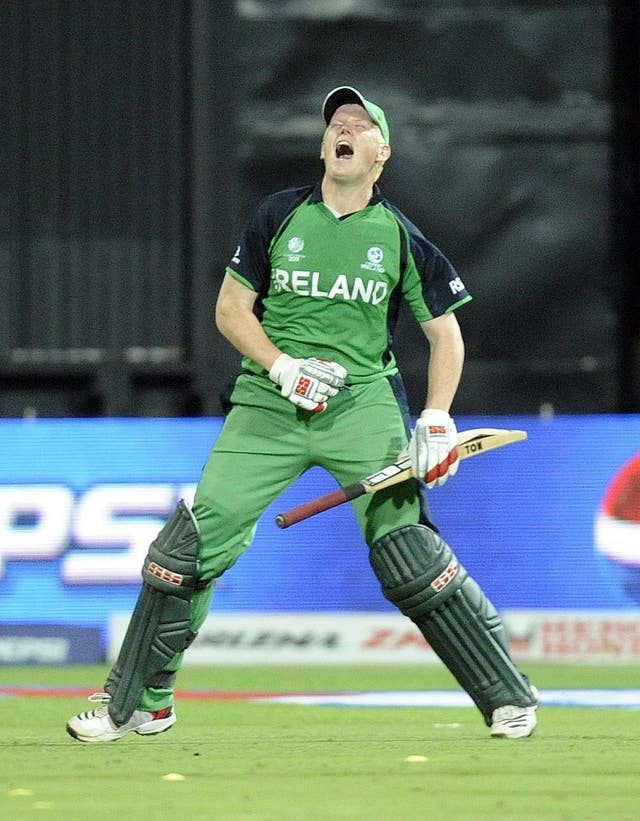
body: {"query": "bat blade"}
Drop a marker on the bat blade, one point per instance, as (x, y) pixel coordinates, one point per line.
(481, 440)
(470, 443)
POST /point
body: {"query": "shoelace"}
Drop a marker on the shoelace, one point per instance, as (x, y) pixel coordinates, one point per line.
(103, 700)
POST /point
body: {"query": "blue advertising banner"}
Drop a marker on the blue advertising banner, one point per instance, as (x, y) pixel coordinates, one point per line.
(50, 644)
(552, 522)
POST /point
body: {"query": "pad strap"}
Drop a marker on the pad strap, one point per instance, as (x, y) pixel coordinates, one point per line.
(159, 625)
(421, 575)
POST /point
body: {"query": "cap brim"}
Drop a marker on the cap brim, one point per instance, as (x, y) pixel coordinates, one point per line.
(343, 95)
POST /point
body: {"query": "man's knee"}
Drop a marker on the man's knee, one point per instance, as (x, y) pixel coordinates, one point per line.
(416, 568)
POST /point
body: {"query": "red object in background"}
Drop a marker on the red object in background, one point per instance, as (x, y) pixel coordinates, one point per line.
(622, 499)
(617, 525)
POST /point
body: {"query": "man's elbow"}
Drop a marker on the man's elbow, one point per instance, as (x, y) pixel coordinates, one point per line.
(222, 316)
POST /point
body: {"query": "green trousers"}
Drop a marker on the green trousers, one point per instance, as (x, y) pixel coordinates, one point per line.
(265, 444)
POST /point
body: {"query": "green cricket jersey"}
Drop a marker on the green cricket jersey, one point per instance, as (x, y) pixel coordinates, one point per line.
(331, 287)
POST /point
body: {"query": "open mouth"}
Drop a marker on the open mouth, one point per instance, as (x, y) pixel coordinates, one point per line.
(343, 149)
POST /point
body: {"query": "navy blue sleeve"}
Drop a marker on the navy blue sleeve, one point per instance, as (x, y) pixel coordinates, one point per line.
(442, 287)
(251, 261)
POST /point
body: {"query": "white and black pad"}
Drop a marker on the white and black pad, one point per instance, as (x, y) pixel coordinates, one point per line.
(420, 574)
(159, 625)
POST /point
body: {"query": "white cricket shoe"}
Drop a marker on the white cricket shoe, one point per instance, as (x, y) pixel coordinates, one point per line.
(96, 725)
(513, 722)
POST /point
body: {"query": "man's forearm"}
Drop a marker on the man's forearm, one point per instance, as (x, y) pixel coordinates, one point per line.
(237, 322)
(445, 369)
(446, 360)
(247, 336)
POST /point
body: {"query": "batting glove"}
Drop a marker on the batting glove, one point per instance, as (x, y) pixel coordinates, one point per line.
(308, 383)
(433, 447)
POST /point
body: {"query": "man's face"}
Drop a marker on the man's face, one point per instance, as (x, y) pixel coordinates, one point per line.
(352, 146)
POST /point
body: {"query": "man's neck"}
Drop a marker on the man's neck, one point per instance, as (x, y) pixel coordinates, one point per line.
(346, 199)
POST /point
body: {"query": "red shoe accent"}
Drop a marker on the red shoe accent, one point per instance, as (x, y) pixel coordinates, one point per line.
(166, 711)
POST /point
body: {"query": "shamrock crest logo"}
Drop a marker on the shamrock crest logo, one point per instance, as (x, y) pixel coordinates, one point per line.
(375, 255)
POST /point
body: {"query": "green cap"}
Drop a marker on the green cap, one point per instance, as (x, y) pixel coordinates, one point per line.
(343, 95)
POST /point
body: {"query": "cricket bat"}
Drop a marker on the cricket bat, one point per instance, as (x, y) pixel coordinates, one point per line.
(470, 443)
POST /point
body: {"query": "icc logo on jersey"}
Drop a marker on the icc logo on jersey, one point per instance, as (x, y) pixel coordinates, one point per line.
(295, 246)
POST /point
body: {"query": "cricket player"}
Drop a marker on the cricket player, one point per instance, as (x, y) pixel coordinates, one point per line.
(310, 299)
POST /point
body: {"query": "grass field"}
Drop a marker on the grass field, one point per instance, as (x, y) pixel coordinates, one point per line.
(248, 761)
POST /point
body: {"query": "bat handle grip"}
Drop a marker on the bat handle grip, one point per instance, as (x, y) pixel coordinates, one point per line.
(308, 509)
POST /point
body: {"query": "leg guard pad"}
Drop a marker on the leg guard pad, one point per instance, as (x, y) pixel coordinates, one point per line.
(420, 574)
(159, 625)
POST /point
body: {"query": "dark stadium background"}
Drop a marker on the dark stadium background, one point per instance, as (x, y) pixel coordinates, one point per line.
(138, 134)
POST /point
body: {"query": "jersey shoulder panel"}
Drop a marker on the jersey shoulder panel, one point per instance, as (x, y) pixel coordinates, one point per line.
(273, 210)
(250, 262)
(422, 249)
(441, 286)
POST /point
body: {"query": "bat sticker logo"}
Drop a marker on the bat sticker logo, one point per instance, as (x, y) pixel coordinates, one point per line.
(473, 447)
